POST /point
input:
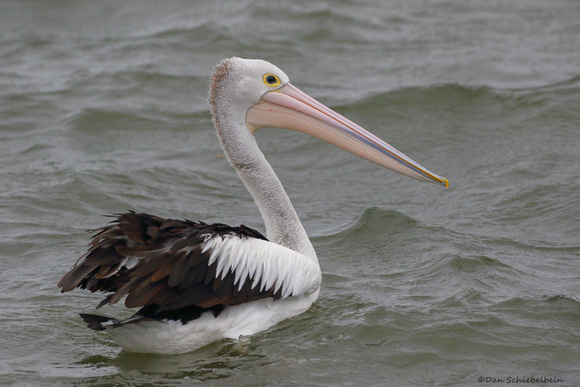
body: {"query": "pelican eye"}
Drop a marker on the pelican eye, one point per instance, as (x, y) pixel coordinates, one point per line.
(271, 80)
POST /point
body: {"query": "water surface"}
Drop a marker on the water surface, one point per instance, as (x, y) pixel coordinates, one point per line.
(103, 109)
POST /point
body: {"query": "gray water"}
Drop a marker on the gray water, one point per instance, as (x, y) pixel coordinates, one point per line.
(103, 109)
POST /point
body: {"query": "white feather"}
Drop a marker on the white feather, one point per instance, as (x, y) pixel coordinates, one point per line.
(241, 273)
(240, 258)
(131, 262)
(214, 252)
(257, 272)
(223, 260)
(269, 265)
(281, 277)
(264, 276)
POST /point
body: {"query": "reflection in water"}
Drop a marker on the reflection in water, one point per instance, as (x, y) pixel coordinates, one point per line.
(215, 361)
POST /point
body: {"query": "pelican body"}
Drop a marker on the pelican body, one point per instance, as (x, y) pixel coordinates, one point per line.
(195, 282)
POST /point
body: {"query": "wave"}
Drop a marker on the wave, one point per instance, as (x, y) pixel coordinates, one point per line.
(453, 97)
(372, 221)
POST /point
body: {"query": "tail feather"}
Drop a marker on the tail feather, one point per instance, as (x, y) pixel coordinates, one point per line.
(95, 322)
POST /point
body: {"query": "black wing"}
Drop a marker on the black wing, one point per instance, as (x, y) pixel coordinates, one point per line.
(157, 261)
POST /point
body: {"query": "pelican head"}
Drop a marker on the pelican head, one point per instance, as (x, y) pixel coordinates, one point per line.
(249, 94)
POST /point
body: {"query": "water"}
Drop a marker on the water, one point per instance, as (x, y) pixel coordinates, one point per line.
(102, 109)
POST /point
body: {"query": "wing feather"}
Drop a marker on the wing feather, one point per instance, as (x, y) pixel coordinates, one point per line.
(176, 263)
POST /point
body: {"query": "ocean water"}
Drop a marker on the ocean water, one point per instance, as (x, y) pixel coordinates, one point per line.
(103, 109)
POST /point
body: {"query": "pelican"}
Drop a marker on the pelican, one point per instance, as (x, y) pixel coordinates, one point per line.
(196, 283)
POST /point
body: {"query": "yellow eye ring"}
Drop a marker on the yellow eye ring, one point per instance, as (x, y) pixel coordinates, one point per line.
(271, 80)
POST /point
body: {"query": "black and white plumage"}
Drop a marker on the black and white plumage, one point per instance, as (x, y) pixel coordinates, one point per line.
(190, 263)
(176, 270)
(196, 283)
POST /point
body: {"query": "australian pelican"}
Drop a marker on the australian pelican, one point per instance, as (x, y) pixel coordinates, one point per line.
(195, 282)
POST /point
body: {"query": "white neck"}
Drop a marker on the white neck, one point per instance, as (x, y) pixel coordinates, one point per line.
(282, 224)
(229, 99)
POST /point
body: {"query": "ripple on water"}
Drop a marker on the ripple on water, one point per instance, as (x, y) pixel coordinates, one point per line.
(104, 109)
